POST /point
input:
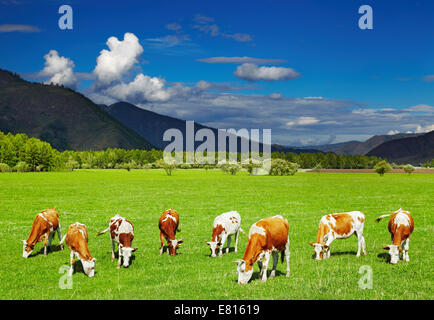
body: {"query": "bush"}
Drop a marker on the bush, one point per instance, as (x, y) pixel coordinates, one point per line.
(233, 168)
(4, 167)
(22, 167)
(318, 168)
(280, 167)
(168, 167)
(408, 168)
(382, 167)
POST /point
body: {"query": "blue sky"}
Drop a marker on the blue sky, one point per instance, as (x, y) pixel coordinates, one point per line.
(322, 79)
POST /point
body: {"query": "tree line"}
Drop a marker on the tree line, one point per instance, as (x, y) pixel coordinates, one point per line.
(20, 153)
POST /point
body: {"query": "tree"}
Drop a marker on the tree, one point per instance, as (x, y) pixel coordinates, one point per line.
(318, 168)
(382, 167)
(168, 167)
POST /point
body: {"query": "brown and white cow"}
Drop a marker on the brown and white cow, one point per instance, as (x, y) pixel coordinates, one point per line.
(401, 226)
(339, 226)
(76, 239)
(44, 226)
(267, 238)
(224, 226)
(121, 232)
(168, 225)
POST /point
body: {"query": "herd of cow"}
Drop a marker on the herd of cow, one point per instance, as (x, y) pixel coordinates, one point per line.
(267, 238)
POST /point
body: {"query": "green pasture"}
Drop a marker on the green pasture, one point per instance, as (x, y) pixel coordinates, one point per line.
(92, 197)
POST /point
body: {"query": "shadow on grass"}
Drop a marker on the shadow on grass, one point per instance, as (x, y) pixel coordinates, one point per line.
(53, 248)
(255, 276)
(384, 256)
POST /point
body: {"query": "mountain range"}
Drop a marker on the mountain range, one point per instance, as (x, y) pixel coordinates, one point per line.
(64, 118)
(70, 121)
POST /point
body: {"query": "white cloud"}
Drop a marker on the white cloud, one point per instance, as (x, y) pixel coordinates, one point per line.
(240, 60)
(18, 28)
(421, 108)
(251, 72)
(276, 95)
(424, 129)
(173, 26)
(393, 132)
(302, 121)
(116, 62)
(59, 70)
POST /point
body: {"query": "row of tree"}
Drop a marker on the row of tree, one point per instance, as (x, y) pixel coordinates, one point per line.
(21, 153)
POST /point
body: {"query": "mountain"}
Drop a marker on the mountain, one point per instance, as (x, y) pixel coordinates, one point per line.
(152, 126)
(413, 150)
(361, 148)
(64, 118)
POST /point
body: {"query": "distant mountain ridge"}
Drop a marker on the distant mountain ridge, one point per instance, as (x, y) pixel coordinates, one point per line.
(416, 149)
(64, 118)
(152, 125)
(359, 147)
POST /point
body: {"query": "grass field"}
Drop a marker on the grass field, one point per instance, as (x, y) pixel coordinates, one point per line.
(92, 197)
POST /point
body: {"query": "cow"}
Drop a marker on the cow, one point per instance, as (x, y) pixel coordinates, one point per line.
(121, 232)
(76, 239)
(267, 238)
(401, 226)
(224, 226)
(44, 226)
(339, 226)
(168, 225)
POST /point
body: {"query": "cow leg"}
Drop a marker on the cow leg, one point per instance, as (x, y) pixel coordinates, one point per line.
(229, 243)
(120, 257)
(45, 243)
(50, 237)
(265, 266)
(287, 254)
(71, 261)
(113, 250)
(59, 234)
(260, 268)
(222, 244)
(275, 260)
(161, 243)
(405, 246)
(236, 240)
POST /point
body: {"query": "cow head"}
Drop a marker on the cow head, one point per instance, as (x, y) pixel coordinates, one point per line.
(126, 252)
(173, 245)
(89, 267)
(213, 245)
(243, 275)
(27, 249)
(320, 250)
(394, 251)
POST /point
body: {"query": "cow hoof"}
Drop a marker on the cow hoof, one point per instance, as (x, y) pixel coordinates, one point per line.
(287, 274)
(272, 275)
(264, 280)
(118, 266)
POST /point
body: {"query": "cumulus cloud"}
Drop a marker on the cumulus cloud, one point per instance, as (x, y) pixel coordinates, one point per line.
(18, 28)
(240, 60)
(393, 132)
(251, 72)
(115, 63)
(59, 70)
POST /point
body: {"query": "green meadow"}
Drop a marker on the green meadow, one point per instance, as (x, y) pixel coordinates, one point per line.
(92, 197)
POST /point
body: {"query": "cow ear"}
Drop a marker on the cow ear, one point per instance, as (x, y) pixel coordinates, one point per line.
(207, 242)
(311, 244)
(180, 241)
(239, 261)
(386, 247)
(24, 241)
(134, 249)
(400, 249)
(325, 246)
(94, 259)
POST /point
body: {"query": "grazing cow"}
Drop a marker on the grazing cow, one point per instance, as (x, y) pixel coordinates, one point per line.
(267, 238)
(76, 240)
(339, 226)
(168, 225)
(401, 226)
(121, 232)
(224, 226)
(44, 226)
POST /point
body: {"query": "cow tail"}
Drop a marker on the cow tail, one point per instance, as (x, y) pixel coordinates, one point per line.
(104, 231)
(381, 217)
(62, 241)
